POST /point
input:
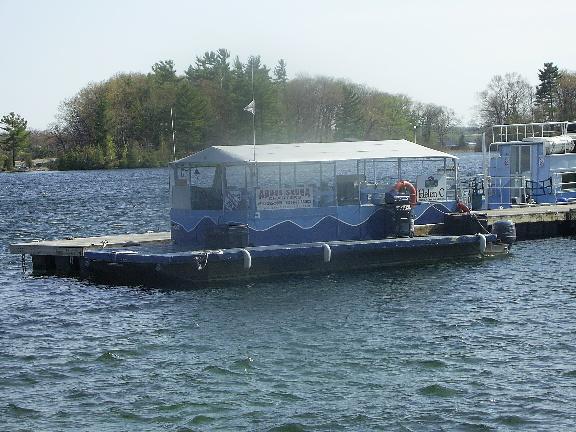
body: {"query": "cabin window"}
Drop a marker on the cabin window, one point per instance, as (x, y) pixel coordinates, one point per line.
(206, 188)
(388, 172)
(347, 188)
(520, 159)
(309, 175)
(569, 181)
(180, 188)
(282, 187)
(235, 190)
(348, 181)
(236, 177)
(326, 187)
(287, 175)
(268, 176)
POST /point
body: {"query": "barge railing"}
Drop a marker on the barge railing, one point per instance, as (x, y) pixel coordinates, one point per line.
(519, 131)
(560, 185)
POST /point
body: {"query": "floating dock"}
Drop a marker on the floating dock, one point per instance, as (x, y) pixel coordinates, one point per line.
(64, 256)
(532, 221)
(163, 267)
(538, 221)
(70, 256)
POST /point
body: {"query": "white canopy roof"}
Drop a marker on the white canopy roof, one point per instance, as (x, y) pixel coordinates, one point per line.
(312, 152)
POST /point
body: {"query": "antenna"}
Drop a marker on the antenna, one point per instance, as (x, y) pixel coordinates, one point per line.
(251, 108)
(173, 133)
(253, 114)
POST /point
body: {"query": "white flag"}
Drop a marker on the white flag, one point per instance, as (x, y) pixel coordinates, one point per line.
(251, 107)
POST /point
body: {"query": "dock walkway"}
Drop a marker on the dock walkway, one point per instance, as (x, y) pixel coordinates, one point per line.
(533, 213)
(75, 247)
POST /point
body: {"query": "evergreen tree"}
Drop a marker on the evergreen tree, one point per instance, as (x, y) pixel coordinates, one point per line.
(125, 121)
(547, 90)
(16, 134)
(164, 71)
(212, 66)
(212, 77)
(280, 75)
(191, 119)
(349, 116)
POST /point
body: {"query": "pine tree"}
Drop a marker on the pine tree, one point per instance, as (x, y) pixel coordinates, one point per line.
(280, 75)
(547, 91)
(349, 117)
(16, 135)
(164, 71)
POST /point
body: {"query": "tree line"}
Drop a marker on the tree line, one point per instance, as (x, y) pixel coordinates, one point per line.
(136, 119)
(510, 98)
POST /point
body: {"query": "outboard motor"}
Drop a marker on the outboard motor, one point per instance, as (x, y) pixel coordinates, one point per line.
(505, 231)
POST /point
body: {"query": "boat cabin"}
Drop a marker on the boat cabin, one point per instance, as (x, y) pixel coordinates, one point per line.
(531, 163)
(297, 193)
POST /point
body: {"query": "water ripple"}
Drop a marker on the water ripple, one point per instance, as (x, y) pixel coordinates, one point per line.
(474, 346)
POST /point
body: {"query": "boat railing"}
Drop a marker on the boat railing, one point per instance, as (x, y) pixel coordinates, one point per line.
(506, 190)
(564, 181)
(499, 191)
(451, 191)
(519, 131)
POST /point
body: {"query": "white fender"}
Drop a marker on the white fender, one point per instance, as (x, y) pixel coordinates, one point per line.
(247, 259)
(482, 241)
(327, 252)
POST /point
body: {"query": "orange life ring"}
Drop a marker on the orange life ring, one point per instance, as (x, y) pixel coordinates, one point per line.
(462, 208)
(405, 184)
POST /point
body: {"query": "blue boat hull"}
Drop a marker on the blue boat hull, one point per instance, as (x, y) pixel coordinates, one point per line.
(197, 269)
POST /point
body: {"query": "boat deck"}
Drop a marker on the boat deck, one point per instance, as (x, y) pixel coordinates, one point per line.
(76, 247)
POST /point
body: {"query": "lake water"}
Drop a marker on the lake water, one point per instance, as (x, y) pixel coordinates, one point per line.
(466, 345)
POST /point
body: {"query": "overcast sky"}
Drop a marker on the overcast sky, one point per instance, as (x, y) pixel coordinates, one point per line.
(437, 51)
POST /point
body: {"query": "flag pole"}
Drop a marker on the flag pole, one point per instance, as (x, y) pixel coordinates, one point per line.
(173, 133)
(253, 115)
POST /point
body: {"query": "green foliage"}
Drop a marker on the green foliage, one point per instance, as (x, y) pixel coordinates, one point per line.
(547, 91)
(511, 99)
(82, 159)
(349, 117)
(390, 116)
(110, 153)
(28, 160)
(164, 71)
(135, 120)
(280, 74)
(4, 163)
(16, 135)
(567, 96)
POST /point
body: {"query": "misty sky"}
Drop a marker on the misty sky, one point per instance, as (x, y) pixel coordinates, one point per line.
(442, 51)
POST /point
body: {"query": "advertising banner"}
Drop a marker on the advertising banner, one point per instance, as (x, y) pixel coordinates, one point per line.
(284, 198)
(431, 188)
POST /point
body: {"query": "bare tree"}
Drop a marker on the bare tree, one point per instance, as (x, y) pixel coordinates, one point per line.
(444, 123)
(507, 99)
(567, 96)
